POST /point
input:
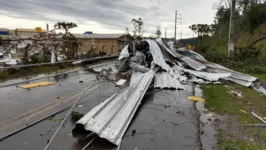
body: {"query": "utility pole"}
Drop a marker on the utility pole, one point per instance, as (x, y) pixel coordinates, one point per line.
(165, 33)
(175, 25)
(231, 44)
(47, 27)
(178, 19)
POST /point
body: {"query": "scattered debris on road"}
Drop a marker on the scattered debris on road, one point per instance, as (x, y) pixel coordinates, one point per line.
(259, 117)
(152, 59)
(121, 82)
(196, 99)
(37, 84)
(243, 111)
(75, 116)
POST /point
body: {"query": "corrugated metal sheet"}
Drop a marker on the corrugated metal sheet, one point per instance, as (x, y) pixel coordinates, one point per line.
(178, 69)
(237, 77)
(261, 90)
(164, 80)
(207, 76)
(239, 81)
(104, 66)
(190, 62)
(167, 57)
(178, 74)
(137, 67)
(136, 76)
(111, 118)
(184, 51)
(124, 53)
(168, 49)
(157, 55)
(197, 80)
(193, 63)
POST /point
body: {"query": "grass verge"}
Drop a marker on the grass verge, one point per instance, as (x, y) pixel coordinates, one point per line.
(231, 134)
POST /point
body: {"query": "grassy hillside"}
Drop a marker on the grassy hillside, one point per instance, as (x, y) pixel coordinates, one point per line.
(250, 26)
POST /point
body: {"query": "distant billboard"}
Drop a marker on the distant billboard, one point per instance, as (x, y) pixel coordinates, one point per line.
(88, 32)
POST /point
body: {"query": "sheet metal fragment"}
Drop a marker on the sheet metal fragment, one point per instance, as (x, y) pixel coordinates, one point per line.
(196, 99)
(139, 68)
(193, 63)
(157, 55)
(37, 84)
(124, 53)
(189, 61)
(121, 82)
(164, 80)
(208, 76)
(109, 66)
(259, 117)
(111, 118)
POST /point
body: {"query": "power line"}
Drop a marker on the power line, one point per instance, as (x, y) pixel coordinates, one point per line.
(68, 113)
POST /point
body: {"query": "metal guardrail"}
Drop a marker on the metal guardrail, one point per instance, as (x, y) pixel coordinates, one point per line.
(61, 62)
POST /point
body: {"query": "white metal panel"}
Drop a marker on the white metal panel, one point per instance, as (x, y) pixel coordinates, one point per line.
(104, 66)
(165, 80)
(137, 67)
(168, 49)
(111, 118)
(221, 69)
(136, 76)
(124, 53)
(208, 76)
(193, 63)
(260, 89)
(189, 61)
(157, 55)
(239, 81)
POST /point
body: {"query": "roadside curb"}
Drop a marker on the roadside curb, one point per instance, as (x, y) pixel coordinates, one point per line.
(207, 123)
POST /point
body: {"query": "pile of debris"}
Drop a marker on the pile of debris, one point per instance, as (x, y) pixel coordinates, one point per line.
(152, 61)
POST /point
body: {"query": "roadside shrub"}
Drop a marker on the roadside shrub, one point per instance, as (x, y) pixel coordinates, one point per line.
(3, 75)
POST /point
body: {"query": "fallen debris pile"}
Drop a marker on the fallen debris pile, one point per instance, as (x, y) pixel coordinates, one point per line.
(111, 118)
(171, 69)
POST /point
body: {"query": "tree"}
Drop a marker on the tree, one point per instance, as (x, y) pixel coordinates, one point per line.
(70, 43)
(65, 25)
(204, 29)
(25, 57)
(194, 28)
(244, 5)
(222, 3)
(158, 32)
(127, 31)
(138, 28)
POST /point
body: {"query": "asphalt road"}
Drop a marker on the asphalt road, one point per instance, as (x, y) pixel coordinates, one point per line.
(165, 120)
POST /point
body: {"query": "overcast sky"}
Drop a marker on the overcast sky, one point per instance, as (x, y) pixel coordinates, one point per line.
(106, 16)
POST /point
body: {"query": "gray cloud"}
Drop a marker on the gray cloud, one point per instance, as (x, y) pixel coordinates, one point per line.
(111, 14)
(115, 13)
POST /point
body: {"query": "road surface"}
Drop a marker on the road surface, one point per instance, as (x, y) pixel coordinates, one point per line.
(165, 119)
